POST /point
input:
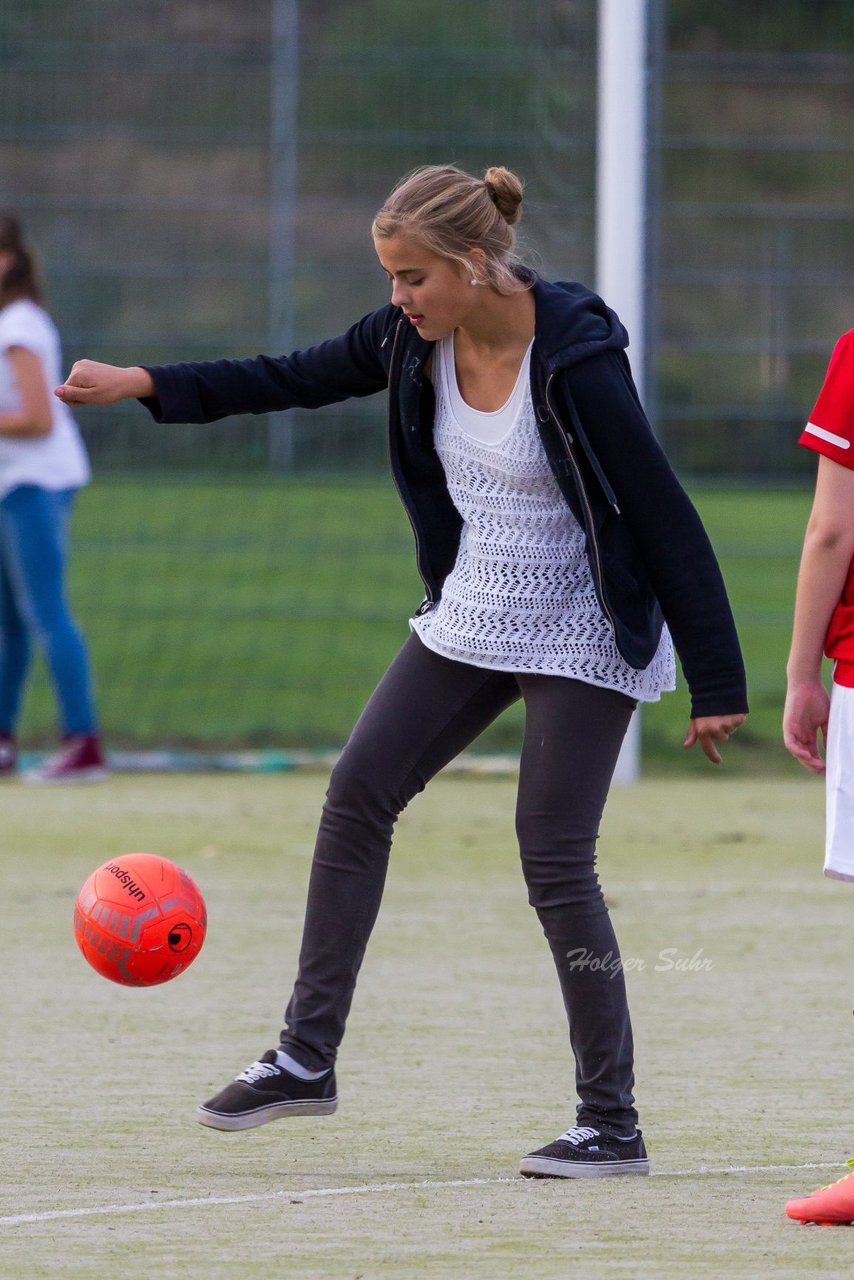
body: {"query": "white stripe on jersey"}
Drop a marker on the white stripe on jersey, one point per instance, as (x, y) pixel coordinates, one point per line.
(840, 441)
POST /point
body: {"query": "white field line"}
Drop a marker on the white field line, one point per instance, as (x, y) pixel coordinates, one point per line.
(296, 1196)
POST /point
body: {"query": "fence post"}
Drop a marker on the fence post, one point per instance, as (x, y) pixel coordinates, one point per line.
(284, 99)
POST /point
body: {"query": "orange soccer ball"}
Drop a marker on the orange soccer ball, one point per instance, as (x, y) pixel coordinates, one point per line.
(140, 920)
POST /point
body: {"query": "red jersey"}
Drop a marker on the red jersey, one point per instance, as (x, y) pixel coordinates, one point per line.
(830, 431)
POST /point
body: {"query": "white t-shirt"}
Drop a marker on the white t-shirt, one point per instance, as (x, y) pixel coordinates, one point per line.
(57, 460)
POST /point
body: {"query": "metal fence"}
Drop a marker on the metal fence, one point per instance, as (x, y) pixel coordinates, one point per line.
(752, 269)
(201, 179)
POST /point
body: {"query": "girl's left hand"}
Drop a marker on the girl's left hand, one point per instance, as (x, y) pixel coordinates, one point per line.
(707, 730)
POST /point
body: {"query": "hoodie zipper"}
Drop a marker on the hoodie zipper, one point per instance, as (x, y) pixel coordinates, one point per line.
(428, 601)
(582, 493)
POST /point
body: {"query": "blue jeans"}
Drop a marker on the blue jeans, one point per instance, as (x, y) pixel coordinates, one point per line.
(33, 554)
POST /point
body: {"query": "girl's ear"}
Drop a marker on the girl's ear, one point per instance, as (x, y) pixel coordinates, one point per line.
(477, 258)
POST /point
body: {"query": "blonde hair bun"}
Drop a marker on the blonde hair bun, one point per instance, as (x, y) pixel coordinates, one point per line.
(505, 191)
(451, 213)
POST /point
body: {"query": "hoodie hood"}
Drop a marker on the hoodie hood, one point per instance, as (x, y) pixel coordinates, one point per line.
(573, 323)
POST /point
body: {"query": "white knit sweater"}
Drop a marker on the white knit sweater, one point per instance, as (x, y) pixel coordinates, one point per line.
(520, 596)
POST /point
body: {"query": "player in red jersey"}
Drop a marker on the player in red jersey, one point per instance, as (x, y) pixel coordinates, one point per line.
(824, 626)
(824, 611)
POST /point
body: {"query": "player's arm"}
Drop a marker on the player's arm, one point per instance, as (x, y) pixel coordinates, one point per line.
(34, 417)
(90, 382)
(353, 364)
(676, 551)
(827, 553)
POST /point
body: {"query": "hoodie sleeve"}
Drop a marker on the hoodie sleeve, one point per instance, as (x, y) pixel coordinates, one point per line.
(673, 544)
(338, 369)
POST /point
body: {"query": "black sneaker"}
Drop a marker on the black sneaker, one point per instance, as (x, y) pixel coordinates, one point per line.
(584, 1152)
(265, 1091)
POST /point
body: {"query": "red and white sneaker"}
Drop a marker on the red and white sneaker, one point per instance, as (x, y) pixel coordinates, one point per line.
(831, 1206)
(79, 759)
(8, 755)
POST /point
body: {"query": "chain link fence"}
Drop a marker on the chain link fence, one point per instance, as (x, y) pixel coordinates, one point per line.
(753, 186)
(200, 177)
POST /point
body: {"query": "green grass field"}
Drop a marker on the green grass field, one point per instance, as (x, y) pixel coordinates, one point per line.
(456, 1060)
(250, 613)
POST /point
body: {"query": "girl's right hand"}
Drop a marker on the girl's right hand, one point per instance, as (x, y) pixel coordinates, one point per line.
(92, 383)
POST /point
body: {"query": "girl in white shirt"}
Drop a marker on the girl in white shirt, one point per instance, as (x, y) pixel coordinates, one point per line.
(549, 573)
(42, 465)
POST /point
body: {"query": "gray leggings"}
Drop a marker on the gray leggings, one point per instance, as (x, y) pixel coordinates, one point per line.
(424, 712)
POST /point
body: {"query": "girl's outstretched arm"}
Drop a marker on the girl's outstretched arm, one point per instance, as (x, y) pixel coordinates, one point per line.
(355, 363)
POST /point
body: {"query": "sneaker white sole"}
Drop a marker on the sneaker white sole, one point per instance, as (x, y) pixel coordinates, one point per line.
(263, 1115)
(543, 1167)
(79, 777)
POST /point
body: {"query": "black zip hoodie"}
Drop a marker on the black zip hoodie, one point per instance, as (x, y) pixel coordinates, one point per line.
(649, 555)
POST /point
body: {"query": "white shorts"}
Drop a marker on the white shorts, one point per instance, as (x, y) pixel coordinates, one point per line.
(839, 833)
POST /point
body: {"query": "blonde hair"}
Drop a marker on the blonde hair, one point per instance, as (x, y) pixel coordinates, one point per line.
(450, 213)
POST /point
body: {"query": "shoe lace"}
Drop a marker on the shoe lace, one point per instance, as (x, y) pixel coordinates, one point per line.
(577, 1134)
(258, 1071)
(844, 1178)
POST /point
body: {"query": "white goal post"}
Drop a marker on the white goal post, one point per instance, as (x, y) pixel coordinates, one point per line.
(621, 205)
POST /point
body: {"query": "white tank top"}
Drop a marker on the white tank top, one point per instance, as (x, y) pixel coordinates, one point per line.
(520, 596)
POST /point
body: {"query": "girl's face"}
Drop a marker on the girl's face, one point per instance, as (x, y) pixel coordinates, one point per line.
(434, 292)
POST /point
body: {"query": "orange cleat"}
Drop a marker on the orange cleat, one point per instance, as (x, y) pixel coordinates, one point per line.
(831, 1206)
